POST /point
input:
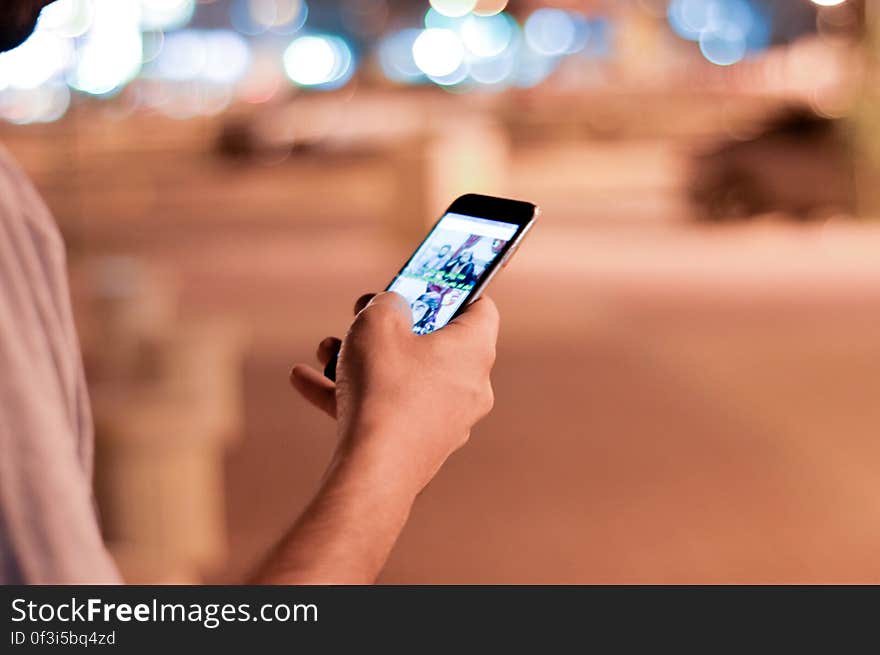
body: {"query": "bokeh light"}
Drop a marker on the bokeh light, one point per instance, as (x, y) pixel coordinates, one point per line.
(310, 60)
(98, 46)
(725, 29)
(581, 33)
(282, 16)
(438, 52)
(725, 45)
(495, 70)
(243, 20)
(454, 8)
(183, 56)
(255, 17)
(153, 41)
(688, 18)
(600, 38)
(218, 56)
(487, 36)
(318, 60)
(550, 32)
(166, 14)
(489, 7)
(68, 18)
(39, 59)
(453, 78)
(227, 56)
(532, 68)
(435, 20)
(112, 51)
(44, 104)
(396, 56)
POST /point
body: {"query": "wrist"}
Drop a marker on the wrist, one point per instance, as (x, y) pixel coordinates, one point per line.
(370, 456)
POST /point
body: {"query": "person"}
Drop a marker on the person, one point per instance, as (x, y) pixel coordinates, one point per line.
(395, 426)
(437, 261)
(425, 310)
(460, 269)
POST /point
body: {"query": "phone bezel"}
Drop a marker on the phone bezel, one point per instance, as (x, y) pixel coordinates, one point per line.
(520, 213)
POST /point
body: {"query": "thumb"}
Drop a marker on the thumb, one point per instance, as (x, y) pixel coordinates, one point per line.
(390, 303)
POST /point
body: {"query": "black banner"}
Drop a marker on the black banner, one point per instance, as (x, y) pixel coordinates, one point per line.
(412, 619)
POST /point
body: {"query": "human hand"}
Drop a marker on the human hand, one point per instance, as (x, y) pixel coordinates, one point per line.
(404, 401)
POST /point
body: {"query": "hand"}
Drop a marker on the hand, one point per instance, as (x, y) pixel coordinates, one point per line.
(404, 401)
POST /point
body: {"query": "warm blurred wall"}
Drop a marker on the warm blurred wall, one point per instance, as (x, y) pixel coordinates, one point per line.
(676, 402)
(867, 118)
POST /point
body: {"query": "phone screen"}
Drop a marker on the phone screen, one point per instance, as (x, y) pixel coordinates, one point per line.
(449, 264)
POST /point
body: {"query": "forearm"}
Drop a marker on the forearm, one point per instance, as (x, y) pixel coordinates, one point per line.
(348, 530)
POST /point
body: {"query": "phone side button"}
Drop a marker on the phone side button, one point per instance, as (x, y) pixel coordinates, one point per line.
(506, 258)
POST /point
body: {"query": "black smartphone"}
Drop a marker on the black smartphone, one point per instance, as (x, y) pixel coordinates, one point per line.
(472, 241)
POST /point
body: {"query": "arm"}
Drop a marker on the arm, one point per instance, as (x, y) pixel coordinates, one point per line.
(404, 403)
(346, 533)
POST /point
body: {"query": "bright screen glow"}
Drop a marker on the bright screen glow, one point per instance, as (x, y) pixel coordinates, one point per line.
(448, 265)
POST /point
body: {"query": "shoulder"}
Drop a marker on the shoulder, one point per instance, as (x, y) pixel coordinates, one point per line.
(23, 212)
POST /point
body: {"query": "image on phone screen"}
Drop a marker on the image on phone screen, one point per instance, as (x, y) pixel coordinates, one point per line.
(449, 264)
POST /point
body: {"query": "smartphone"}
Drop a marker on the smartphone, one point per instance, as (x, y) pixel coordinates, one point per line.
(473, 240)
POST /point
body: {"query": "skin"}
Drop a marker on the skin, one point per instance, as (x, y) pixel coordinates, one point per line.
(403, 403)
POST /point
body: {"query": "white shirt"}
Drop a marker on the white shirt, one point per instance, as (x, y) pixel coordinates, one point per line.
(49, 530)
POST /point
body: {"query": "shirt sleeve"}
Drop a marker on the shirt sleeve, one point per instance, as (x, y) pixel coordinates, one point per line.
(49, 532)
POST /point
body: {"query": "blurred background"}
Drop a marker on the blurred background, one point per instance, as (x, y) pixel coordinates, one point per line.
(689, 366)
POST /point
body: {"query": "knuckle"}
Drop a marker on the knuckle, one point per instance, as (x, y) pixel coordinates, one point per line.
(383, 312)
(483, 356)
(378, 326)
(373, 316)
(492, 309)
(488, 399)
(489, 355)
(482, 398)
(491, 317)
